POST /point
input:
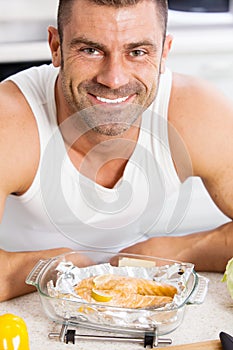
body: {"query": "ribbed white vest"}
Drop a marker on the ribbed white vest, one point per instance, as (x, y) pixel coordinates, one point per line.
(63, 208)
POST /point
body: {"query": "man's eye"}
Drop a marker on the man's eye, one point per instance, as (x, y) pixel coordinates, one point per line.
(137, 53)
(90, 51)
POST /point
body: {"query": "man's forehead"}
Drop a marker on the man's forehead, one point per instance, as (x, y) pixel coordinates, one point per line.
(87, 15)
(89, 9)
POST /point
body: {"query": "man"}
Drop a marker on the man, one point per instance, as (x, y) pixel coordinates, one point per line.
(112, 174)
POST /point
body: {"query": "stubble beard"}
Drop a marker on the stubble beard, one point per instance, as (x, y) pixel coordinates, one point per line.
(105, 120)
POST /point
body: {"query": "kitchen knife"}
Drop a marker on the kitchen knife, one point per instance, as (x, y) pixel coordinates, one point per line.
(226, 340)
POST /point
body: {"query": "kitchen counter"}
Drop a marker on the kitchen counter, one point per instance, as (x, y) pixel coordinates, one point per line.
(24, 52)
(201, 322)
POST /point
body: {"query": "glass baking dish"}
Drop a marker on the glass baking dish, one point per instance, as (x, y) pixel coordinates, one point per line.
(55, 280)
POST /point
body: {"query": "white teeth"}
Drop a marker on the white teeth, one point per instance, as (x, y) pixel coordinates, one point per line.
(117, 100)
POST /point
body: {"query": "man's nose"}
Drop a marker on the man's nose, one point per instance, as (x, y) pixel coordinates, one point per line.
(113, 73)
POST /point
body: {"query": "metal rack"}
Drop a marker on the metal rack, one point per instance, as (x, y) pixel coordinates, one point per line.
(147, 337)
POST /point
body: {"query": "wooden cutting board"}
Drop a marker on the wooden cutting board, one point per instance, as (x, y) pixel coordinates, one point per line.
(206, 345)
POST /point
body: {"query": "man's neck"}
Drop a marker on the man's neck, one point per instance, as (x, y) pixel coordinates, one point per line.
(100, 157)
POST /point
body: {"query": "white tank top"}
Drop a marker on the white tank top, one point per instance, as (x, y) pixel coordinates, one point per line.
(63, 208)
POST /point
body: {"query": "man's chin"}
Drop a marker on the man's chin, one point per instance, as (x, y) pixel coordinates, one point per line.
(114, 129)
(110, 120)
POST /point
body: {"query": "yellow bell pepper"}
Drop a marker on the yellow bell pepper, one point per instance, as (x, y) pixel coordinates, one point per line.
(13, 333)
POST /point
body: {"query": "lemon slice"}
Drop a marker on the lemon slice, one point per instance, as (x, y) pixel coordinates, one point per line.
(101, 296)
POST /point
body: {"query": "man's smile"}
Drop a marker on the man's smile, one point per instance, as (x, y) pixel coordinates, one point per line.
(100, 100)
(116, 100)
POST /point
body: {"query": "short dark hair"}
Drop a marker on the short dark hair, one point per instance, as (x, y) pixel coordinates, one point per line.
(65, 10)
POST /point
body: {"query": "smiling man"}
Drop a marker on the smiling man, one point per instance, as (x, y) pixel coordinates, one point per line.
(113, 60)
(96, 149)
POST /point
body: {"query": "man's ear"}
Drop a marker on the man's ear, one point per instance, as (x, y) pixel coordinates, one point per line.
(54, 44)
(166, 50)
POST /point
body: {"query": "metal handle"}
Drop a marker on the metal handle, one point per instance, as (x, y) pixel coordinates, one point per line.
(34, 275)
(199, 294)
(150, 339)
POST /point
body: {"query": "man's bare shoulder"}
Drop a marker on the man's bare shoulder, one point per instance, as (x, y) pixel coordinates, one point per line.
(195, 96)
(203, 119)
(198, 110)
(19, 142)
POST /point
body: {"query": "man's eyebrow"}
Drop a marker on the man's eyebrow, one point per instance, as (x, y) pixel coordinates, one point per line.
(142, 43)
(82, 40)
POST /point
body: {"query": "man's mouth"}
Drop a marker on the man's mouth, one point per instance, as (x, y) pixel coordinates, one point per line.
(111, 101)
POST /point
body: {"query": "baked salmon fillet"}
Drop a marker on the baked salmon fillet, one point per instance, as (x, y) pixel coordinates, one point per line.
(124, 291)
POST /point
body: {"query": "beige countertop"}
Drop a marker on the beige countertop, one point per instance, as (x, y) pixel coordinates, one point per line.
(201, 322)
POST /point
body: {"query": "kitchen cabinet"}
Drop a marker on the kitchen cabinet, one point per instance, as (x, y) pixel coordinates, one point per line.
(206, 53)
(216, 68)
(23, 34)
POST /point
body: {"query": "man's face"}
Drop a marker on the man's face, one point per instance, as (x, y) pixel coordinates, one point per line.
(111, 61)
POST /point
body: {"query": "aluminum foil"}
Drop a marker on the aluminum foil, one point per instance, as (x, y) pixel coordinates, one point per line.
(69, 305)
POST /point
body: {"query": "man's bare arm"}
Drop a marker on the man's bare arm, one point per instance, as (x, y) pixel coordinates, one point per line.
(19, 158)
(15, 268)
(208, 251)
(203, 124)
